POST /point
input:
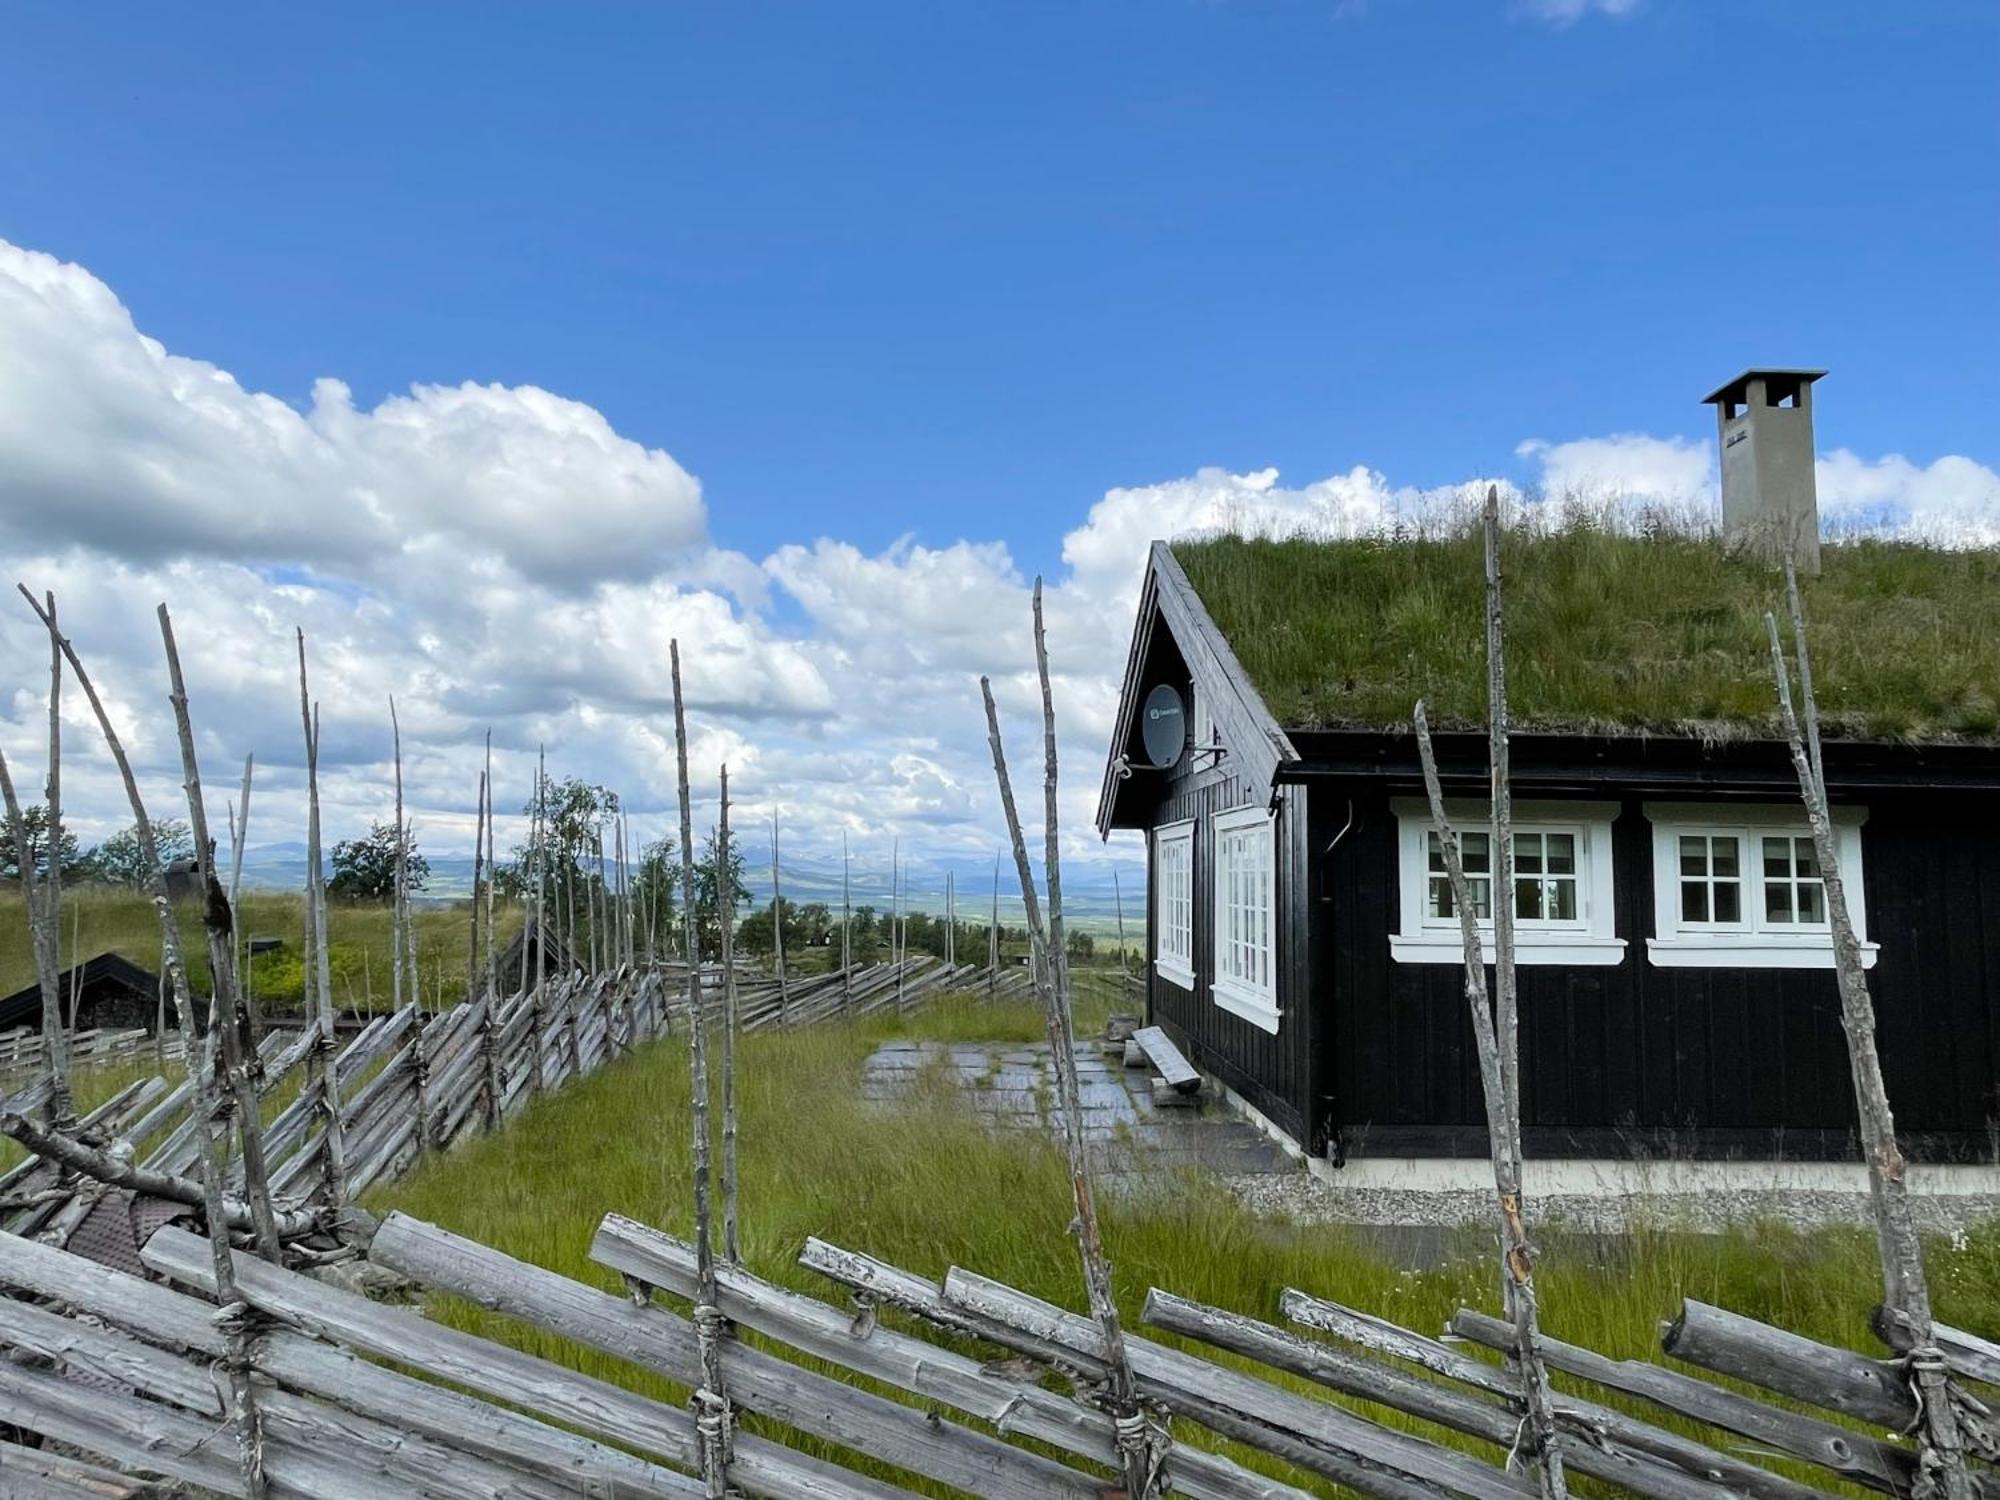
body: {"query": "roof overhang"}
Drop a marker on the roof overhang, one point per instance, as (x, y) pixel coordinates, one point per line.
(1547, 762)
(1256, 741)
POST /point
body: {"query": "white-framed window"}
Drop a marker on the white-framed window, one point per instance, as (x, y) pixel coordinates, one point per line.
(1243, 909)
(1173, 902)
(1740, 886)
(1563, 912)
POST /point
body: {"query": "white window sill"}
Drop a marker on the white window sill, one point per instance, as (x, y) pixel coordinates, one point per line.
(1541, 948)
(1174, 973)
(1258, 1009)
(1749, 951)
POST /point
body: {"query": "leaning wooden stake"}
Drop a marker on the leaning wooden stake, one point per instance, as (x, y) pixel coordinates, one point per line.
(627, 916)
(225, 1012)
(1506, 1003)
(491, 967)
(712, 1415)
(1142, 1445)
(309, 940)
(404, 951)
(726, 909)
(325, 1080)
(778, 924)
(1517, 1258)
(208, 1105)
(600, 908)
(45, 920)
(1506, 994)
(478, 874)
(1906, 1289)
(539, 841)
(482, 977)
(55, 1066)
(896, 933)
(239, 840)
(846, 957)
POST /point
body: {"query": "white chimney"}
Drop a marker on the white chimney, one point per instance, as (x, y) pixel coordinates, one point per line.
(1769, 502)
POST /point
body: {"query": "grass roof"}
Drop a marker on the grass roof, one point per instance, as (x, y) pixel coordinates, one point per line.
(1607, 632)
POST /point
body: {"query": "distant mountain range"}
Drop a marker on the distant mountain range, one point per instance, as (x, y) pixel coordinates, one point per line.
(1093, 894)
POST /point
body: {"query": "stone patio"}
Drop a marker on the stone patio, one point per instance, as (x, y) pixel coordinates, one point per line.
(1013, 1085)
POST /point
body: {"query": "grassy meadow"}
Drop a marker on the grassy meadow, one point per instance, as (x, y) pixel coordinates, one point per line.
(926, 1187)
(95, 919)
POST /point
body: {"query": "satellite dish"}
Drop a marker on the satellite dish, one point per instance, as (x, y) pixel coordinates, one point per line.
(1163, 727)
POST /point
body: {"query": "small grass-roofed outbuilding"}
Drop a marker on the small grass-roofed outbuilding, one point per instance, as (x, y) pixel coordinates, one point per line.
(1677, 994)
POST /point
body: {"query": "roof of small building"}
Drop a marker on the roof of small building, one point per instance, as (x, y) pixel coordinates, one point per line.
(107, 972)
(1607, 632)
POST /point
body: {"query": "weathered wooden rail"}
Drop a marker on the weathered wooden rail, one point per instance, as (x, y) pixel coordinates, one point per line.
(412, 1084)
(126, 1372)
(846, 1404)
(25, 1050)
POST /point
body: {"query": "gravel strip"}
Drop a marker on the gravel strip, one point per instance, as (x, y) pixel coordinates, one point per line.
(1307, 1199)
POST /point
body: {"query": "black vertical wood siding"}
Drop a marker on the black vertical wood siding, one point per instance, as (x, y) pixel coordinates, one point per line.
(1272, 1071)
(1634, 1059)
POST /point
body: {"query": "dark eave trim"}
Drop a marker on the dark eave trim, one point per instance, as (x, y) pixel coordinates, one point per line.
(1551, 762)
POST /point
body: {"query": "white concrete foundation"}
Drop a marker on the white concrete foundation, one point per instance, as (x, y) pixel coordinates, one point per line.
(1608, 1178)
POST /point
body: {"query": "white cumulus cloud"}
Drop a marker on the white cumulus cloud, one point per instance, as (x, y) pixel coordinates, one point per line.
(1952, 500)
(501, 556)
(1628, 467)
(127, 446)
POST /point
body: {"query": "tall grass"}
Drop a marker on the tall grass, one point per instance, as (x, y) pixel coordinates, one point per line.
(1606, 629)
(96, 920)
(927, 1186)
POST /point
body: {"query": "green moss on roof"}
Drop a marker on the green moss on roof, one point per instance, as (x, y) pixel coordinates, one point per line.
(1606, 632)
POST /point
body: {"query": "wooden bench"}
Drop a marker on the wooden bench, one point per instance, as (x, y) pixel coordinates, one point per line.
(1176, 1070)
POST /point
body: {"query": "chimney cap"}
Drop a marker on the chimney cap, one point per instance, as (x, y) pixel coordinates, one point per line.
(1736, 391)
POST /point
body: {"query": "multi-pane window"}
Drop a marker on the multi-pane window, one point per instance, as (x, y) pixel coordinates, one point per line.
(1475, 854)
(1564, 912)
(1173, 902)
(1545, 876)
(1711, 879)
(1794, 888)
(1743, 886)
(1245, 930)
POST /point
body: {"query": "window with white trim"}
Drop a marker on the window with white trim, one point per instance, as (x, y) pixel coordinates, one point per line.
(1173, 902)
(1711, 879)
(1244, 916)
(1741, 886)
(1563, 910)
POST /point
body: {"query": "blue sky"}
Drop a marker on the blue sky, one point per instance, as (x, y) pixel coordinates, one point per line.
(496, 345)
(875, 268)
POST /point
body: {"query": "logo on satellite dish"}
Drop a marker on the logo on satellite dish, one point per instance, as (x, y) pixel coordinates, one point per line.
(1163, 727)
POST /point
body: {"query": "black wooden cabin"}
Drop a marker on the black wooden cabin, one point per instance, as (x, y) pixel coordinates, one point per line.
(1677, 997)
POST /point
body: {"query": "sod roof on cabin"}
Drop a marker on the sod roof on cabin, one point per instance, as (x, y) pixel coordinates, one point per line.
(1606, 632)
